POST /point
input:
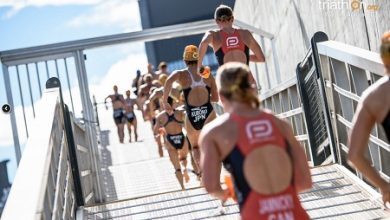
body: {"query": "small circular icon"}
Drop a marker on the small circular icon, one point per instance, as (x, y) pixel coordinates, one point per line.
(355, 5)
(6, 108)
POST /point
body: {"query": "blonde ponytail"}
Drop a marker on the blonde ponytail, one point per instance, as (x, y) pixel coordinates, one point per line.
(233, 83)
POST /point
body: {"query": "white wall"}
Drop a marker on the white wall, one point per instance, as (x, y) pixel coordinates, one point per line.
(293, 23)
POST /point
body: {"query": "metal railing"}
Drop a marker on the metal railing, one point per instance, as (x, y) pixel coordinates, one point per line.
(347, 72)
(29, 73)
(55, 174)
(286, 102)
(344, 72)
(43, 185)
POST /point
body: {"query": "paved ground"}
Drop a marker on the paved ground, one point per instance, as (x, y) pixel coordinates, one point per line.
(138, 184)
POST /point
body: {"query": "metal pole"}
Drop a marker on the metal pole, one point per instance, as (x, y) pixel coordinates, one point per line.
(58, 75)
(96, 111)
(47, 70)
(39, 80)
(265, 63)
(30, 90)
(88, 116)
(67, 78)
(276, 62)
(10, 101)
(21, 98)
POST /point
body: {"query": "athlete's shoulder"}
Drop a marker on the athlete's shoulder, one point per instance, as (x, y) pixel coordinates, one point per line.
(143, 86)
(282, 124)
(211, 32)
(378, 87)
(375, 97)
(161, 115)
(215, 125)
(177, 72)
(159, 91)
(244, 31)
(267, 111)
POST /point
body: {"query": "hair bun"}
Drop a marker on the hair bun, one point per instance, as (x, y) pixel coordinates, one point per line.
(386, 38)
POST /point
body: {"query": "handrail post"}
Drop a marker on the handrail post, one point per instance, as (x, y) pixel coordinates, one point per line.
(276, 61)
(7, 84)
(88, 116)
(54, 82)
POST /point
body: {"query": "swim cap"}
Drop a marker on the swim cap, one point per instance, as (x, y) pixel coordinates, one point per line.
(223, 12)
(162, 78)
(162, 65)
(385, 48)
(190, 53)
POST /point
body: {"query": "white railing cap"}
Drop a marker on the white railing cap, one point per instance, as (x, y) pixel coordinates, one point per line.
(26, 198)
(355, 56)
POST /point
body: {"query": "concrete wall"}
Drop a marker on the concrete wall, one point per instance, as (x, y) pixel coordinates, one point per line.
(293, 22)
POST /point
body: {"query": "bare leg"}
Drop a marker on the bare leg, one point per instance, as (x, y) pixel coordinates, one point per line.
(183, 159)
(196, 155)
(129, 129)
(159, 145)
(174, 157)
(121, 132)
(135, 129)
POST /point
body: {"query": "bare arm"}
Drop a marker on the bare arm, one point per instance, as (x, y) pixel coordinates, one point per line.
(134, 103)
(302, 176)
(181, 114)
(155, 95)
(364, 120)
(206, 41)
(158, 124)
(214, 90)
(255, 47)
(105, 100)
(167, 89)
(210, 161)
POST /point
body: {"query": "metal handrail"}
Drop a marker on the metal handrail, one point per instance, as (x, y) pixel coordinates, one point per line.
(355, 56)
(44, 166)
(56, 165)
(347, 72)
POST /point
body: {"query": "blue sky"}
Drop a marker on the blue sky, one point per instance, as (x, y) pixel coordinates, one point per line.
(25, 23)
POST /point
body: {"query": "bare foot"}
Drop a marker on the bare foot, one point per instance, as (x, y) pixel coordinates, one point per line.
(186, 176)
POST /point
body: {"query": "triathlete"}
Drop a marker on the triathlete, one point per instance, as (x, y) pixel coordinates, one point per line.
(130, 115)
(267, 163)
(175, 141)
(374, 107)
(134, 85)
(162, 78)
(154, 104)
(144, 93)
(162, 68)
(198, 94)
(118, 105)
(230, 44)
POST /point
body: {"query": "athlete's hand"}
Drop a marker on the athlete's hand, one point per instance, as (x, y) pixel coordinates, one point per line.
(204, 71)
(105, 105)
(386, 195)
(226, 196)
(167, 107)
